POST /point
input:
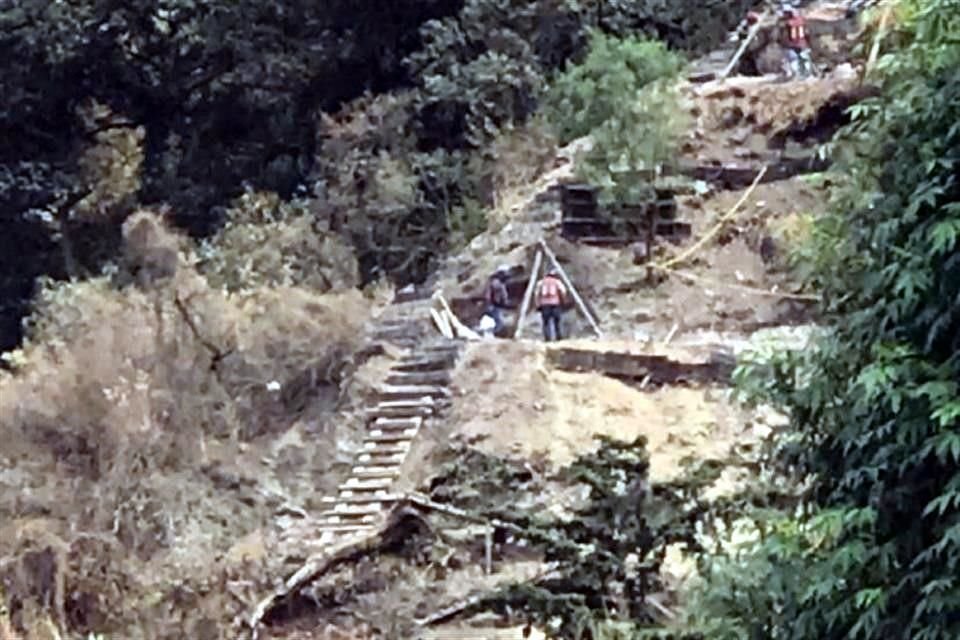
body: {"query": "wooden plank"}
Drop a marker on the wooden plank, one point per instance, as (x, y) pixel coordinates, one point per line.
(443, 326)
(441, 377)
(363, 499)
(743, 46)
(573, 291)
(462, 330)
(414, 391)
(528, 294)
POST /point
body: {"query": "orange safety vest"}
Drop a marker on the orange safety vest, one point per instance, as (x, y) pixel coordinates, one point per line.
(796, 29)
(551, 291)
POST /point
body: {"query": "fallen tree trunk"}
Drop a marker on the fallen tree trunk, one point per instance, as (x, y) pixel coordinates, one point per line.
(320, 563)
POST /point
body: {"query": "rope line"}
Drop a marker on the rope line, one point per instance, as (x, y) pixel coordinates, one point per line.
(713, 231)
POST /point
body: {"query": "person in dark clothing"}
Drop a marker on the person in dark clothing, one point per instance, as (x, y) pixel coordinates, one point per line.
(497, 298)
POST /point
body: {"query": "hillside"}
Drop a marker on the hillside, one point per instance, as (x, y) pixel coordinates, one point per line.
(232, 410)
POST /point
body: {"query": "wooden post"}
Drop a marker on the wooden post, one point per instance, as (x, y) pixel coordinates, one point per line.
(462, 330)
(875, 47)
(488, 549)
(442, 324)
(528, 294)
(573, 290)
(743, 46)
(651, 231)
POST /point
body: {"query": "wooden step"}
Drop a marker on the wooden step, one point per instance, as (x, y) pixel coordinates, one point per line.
(352, 484)
(374, 457)
(375, 473)
(356, 509)
(348, 513)
(406, 434)
(377, 450)
(390, 424)
(345, 528)
(409, 392)
(362, 499)
(328, 519)
(375, 467)
(349, 493)
(391, 437)
(409, 411)
(404, 423)
(421, 363)
(440, 377)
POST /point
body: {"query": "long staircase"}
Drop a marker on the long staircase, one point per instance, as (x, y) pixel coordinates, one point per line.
(415, 392)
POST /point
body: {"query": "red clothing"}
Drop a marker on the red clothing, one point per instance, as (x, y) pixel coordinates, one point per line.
(796, 32)
(551, 292)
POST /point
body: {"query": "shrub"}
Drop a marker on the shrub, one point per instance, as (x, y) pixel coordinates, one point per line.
(269, 242)
(632, 146)
(586, 95)
(114, 399)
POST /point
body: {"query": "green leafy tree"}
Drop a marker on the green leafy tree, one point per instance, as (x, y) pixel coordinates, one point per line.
(634, 145)
(605, 556)
(876, 415)
(585, 96)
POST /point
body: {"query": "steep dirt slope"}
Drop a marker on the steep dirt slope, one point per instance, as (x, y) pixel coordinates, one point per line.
(554, 415)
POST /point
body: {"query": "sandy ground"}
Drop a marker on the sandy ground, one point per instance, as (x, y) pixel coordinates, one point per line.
(506, 391)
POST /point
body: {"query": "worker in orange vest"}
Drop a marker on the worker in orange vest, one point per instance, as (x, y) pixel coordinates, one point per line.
(551, 296)
(796, 46)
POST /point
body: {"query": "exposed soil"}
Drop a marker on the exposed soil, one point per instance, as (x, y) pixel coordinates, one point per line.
(554, 415)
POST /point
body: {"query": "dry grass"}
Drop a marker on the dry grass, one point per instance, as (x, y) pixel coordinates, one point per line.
(268, 242)
(117, 401)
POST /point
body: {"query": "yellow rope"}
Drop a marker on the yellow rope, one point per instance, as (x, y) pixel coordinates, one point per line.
(751, 290)
(712, 232)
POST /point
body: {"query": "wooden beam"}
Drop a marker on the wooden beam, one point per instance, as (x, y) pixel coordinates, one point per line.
(743, 46)
(442, 324)
(594, 324)
(528, 294)
(459, 328)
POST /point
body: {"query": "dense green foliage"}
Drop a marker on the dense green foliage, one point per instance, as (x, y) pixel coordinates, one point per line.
(634, 145)
(876, 414)
(109, 107)
(605, 555)
(605, 84)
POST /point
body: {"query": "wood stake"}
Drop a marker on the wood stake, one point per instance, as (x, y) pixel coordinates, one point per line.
(875, 48)
(488, 549)
(743, 46)
(461, 329)
(528, 294)
(442, 325)
(573, 290)
(673, 330)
